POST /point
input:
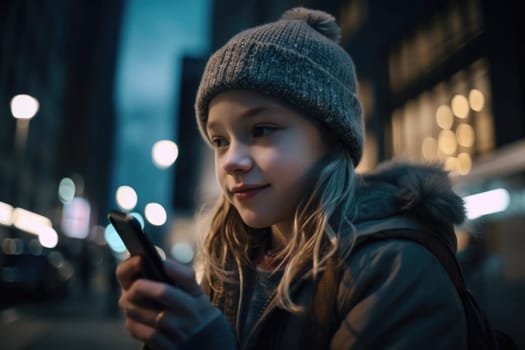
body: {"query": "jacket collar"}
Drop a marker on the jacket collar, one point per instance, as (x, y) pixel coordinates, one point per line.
(420, 191)
(404, 195)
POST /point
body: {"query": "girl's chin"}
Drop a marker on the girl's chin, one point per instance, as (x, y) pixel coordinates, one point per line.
(255, 224)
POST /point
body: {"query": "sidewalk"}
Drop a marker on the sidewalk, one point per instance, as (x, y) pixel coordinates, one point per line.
(78, 322)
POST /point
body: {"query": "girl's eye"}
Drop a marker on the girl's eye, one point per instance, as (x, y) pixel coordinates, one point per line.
(263, 130)
(218, 142)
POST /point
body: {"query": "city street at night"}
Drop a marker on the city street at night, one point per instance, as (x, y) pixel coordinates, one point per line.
(341, 132)
(76, 322)
(81, 319)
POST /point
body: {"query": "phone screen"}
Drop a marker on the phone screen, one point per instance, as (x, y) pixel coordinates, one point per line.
(137, 243)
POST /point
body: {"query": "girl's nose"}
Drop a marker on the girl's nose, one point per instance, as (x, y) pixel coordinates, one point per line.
(237, 159)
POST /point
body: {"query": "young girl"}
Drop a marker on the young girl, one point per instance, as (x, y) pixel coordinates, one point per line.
(278, 104)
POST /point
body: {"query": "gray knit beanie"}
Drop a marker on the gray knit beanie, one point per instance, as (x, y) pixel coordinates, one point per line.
(297, 59)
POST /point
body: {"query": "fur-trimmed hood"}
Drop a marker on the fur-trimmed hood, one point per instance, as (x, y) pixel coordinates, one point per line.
(423, 192)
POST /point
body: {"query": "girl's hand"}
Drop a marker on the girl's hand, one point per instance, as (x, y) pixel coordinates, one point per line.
(164, 316)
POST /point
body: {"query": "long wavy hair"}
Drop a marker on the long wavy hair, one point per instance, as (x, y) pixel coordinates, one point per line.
(322, 228)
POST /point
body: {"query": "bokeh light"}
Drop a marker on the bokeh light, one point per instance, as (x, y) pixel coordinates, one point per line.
(465, 163)
(452, 165)
(460, 106)
(182, 252)
(155, 214)
(35, 247)
(66, 190)
(139, 218)
(444, 117)
(476, 100)
(6, 214)
(113, 239)
(24, 106)
(447, 142)
(465, 135)
(164, 153)
(126, 197)
(485, 203)
(48, 237)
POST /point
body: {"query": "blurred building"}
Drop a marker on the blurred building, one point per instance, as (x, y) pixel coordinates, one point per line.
(63, 54)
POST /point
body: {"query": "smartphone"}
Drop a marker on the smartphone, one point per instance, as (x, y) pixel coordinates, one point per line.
(137, 243)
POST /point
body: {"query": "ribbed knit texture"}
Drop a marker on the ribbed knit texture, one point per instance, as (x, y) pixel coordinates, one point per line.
(296, 59)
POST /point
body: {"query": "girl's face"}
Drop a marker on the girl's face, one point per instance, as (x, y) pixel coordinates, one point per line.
(264, 154)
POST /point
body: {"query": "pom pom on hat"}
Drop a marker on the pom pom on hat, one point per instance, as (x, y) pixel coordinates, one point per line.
(321, 21)
(296, 59)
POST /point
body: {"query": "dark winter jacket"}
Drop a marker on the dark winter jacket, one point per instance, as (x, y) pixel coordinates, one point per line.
(391, 294)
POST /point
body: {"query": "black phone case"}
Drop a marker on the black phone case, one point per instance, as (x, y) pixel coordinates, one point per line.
(137, 243)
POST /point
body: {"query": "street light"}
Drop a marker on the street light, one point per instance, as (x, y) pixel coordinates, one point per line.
(23, 108)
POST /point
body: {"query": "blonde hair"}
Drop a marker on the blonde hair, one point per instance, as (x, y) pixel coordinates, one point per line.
(322, 228)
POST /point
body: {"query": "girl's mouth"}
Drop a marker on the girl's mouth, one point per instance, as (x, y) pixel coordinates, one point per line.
(247, 191)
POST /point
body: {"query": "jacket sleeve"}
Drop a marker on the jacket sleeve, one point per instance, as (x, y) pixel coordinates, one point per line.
(217, 335)
(396, 295)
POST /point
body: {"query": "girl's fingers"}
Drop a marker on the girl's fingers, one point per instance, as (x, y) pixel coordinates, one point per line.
(184, 314)
(154, 296)
(182, 276)
(140, 330)
(128, 271)
(146, 323)
(137, 312)
(149, 335)
(166, 296)
(143, 322)
(163, 315)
